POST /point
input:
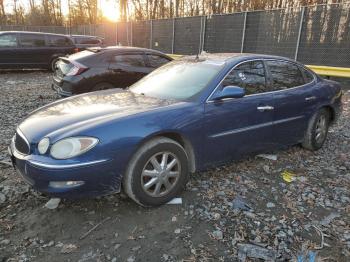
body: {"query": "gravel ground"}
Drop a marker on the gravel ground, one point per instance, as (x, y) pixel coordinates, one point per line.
(244, 211)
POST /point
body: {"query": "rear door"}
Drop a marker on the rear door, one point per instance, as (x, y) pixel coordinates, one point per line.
(58, 45)
(127, 68)
(238, 126)
(8, 50)
(33, 50)
(293, 101)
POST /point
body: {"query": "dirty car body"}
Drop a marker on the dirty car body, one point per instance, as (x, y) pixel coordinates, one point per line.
(273, 112)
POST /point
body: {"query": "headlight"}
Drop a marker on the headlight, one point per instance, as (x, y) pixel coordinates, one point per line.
(71, 147)
(43, 145)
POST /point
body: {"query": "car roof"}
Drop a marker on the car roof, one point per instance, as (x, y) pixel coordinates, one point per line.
(123, 49)
(228, 58)
(30, 32)
(87, 36)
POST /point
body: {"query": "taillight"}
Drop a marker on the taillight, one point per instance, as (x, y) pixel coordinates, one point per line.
(76, 50)
(77, 69)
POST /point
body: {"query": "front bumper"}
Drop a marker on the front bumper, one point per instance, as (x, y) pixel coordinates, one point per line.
(96, 178)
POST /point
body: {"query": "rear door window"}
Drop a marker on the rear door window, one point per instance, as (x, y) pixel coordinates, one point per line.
(129, 60)
(250, 76)
(32, 40)
(156, 61)
(284, 75)
(57, 40)
(8, 41)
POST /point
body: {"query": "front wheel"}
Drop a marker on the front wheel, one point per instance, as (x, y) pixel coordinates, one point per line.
(157, 172)
(317, 130)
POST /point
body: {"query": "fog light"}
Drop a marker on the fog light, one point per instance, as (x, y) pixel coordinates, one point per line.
(65, 184)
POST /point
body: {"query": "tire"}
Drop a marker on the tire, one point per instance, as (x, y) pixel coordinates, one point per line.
(145, 182)
(317, 130)
(53, 63)
(102, 86)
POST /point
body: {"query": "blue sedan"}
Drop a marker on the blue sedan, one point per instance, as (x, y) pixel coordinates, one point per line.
(186, 116)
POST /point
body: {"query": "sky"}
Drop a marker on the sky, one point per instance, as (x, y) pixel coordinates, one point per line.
(109, 7)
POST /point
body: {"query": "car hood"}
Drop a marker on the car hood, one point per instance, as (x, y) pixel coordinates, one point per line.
(84, 109)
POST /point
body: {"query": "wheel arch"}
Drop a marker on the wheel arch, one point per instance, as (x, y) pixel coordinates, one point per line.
(179, 138)
(331, 112)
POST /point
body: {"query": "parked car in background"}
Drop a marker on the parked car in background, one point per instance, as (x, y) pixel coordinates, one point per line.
(33, 50)
(104, 68)
(186, 116)
(85, 41)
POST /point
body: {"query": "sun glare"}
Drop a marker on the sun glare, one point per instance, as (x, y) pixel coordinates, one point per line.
(109, 10)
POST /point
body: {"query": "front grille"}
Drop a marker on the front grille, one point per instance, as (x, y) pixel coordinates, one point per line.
(21, 144)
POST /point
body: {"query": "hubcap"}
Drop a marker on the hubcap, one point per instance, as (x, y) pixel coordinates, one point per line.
(160, 174)
(321, 129)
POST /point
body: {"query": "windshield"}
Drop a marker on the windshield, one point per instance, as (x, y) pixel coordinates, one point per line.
(178, 80)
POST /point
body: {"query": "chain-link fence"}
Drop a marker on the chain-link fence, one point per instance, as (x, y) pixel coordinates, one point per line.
(318, 35)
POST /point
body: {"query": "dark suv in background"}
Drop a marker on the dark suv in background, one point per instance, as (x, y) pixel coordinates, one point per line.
(33, 50)
(86, 41)
(104, 68)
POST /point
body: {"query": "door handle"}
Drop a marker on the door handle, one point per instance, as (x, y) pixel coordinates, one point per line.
(310, 98)
(265, 108)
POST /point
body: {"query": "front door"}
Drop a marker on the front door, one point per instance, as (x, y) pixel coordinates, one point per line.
(235, 127)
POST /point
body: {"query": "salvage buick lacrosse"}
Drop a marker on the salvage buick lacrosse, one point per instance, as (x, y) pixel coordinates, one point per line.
(186, 116)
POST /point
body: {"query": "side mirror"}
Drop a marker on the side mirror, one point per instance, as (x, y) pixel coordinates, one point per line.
(229, 92)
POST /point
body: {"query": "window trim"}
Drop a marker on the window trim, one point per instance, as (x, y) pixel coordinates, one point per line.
(208, 100)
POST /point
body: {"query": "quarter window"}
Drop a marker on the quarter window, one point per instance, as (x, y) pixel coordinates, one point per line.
(130, 60)
(28, 40)
(156, 61)
(250, 76)
(8, 41)
(284, 75)
(307, 75)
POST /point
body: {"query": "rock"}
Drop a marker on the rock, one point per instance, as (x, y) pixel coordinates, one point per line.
(2, 198)
(114, 259)
(68, 248)
(53, 203)
(117, 246)
(177, 231)
(254, 251)
(270, 205)
(131, 259)
(136, 248)
(328, 219)
(5, 242)
(239, 204)
(218, 235)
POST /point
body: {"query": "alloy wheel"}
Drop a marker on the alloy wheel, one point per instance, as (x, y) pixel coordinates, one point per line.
(160, 174)
(321, 129)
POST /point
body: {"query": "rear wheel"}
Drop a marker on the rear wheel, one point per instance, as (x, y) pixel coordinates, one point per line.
(317, 130)
(157, 172)
(53, 64)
